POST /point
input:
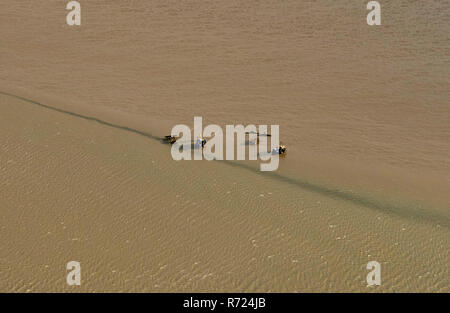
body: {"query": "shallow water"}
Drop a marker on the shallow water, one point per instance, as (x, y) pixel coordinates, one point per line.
(363, 110)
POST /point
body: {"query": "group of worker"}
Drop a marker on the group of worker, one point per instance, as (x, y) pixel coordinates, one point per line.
(201, 142)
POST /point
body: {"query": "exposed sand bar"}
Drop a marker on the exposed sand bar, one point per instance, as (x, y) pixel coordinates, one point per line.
(75, 189)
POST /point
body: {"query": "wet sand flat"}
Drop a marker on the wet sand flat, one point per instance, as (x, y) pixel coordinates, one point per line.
(74, 189)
